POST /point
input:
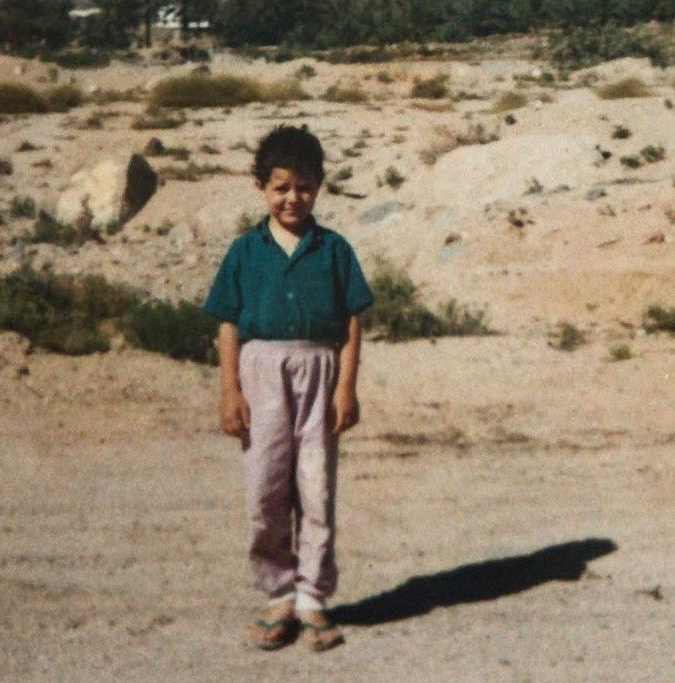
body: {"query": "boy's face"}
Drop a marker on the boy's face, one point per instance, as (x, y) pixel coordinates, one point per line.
(289, 197)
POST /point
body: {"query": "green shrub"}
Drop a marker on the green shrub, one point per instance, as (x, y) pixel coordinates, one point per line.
(430, 88)
(393, 178)
(221, 91)
(396, 315)
(567, 337)
(621, 133)
(651, 153)
(587, 46)
(56, 313)
(76, 315)
(78, 59)
(22, 207)
(631, 161)
(17, 98)
(350, 95)
(182, 331)
(626, 88)
(658, 319)
(620, 352)
(47, 229)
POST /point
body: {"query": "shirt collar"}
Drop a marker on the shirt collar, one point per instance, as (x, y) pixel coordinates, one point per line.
(312, 227)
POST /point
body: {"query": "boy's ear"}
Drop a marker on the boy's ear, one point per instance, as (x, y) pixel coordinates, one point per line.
(259, 185)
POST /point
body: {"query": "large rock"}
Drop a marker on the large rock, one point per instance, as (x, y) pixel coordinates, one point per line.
(111, 192)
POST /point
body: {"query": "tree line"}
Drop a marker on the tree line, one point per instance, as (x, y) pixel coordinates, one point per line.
(313, 23)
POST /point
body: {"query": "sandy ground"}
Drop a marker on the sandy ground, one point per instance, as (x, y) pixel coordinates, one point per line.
(505, 509)
(507, 523)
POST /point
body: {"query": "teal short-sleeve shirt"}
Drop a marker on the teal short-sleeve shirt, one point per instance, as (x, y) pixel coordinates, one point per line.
(308, 295)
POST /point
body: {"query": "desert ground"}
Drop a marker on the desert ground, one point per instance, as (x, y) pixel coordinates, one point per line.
(505, 508)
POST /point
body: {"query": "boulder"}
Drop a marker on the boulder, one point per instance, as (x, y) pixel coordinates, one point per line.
(111, 192)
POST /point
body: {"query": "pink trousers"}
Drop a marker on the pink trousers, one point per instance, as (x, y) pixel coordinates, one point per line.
(290, 465)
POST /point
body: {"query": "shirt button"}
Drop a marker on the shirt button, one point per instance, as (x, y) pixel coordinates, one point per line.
(290, 295)
(290, 328)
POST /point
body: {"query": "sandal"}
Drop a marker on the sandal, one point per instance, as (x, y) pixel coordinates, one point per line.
(271, 635)
(320, 638)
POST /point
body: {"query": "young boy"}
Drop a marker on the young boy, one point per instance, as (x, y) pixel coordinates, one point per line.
(289, 294)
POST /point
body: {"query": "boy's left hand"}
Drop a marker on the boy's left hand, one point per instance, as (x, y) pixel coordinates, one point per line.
(345, 409)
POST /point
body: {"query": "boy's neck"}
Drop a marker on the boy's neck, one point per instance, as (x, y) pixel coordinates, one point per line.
(298, 231)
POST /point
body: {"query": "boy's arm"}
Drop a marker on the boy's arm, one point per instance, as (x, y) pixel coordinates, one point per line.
(235, 416)
(345, 402)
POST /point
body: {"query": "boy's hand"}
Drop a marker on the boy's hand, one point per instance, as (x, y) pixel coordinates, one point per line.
(345, 409)
(235, 415)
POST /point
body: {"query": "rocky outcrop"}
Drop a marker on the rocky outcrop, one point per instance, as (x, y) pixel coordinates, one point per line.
(109, 193)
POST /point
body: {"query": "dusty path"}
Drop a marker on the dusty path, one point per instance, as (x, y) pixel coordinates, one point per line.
(122, 554)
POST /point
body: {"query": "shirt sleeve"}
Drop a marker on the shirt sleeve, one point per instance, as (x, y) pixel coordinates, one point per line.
(357, 295)
(224, 301)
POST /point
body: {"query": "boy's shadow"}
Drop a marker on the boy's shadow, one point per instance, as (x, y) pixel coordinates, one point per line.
(475, 582)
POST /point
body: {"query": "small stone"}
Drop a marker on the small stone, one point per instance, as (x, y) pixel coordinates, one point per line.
(22, 371)
(595, 193)
(510, 120)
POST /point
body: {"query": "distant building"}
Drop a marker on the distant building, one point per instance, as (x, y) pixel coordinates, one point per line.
(83, 9)
(169, 18)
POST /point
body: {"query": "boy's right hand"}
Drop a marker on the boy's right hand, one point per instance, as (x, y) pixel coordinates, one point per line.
(235, 415)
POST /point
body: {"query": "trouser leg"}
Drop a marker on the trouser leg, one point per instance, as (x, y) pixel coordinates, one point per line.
(315, 473)
(268, 469)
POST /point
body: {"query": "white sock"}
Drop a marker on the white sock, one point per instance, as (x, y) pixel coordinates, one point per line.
(287, 597)
(304, 601)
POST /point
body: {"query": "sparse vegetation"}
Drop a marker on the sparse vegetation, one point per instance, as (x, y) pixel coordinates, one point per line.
(659, 319)
(78, 315)
(79, 59)
(22, 207)
(620, 352)
(653, 153)
(621, 133)
(508, 102)
(158, 119)
(305, 71)
(650, 154)
(430, 88)
(192, 172)
(567, 337)
(393, 177)
(396, 315)
(27, 146)
(631, 161)
(221, 91)
(47, 229)
(62, 98)
(349, 94)
(626, 88)
(18, 98)
(585, 46)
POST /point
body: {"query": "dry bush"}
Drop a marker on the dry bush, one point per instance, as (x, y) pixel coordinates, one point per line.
(157, 119)
(192, 172)
(430, 88)
(447, 139)
(628, 87)
(221, 91)
(350, 95)
(508, 102)
(17, 98)
(434, 106)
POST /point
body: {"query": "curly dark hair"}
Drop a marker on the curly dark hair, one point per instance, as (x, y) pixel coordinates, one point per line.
(289, 147)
